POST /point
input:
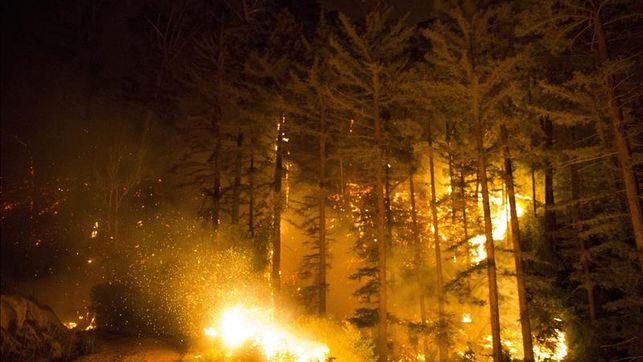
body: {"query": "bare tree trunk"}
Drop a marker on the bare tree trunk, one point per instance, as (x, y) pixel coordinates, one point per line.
(389, 215)
(450, 131)
(382, 340)
(619, 133)
(550, 214)
(488, 228)
(236, 190)
(275, 276)
(443, 346)
(387, 202)
(588, 283)
(322, 210)
(532, 164)
(525, 323)
(215, 158)
(533, 188)
(419, 259)
(251, 191)
(463, 191)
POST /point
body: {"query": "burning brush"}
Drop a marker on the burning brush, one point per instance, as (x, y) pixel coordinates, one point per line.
(242, 326)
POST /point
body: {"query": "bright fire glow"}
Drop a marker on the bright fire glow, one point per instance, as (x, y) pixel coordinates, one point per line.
(210, 332)
(239, 326)
(558, 353)
(70, 325)
(499, 220)
(466, 318)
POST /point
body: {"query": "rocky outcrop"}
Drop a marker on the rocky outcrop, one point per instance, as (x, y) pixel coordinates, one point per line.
(31, 331)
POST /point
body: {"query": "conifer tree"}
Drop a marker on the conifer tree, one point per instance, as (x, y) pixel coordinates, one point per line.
(369, 60)
(462, 50)
(565, 22)
(315, 123)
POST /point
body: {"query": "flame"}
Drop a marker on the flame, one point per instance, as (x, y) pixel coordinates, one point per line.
(73, 325)
(558, 353)
(499, 221)
(466, 318)
(240, 325)
(210, 332)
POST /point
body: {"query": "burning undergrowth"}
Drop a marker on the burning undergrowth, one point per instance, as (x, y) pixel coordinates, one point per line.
(266, 333)
(218, 299)
(168, 290)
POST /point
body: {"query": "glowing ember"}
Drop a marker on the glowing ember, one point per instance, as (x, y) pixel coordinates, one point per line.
(92, 324)
(94, 233)
(70, 325)
(239, 326)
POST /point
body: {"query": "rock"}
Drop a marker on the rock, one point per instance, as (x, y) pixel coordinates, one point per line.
(31, 331)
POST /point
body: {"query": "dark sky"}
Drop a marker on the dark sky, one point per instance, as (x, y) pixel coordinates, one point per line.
(52, 51)
(418, 10)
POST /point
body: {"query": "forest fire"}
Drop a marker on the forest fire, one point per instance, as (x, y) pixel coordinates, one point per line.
(322, 180)
(241, 326)
(85, 322)
(555, 350)
(500, 221)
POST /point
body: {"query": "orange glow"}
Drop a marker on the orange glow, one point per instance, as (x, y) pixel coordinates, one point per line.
(241, 325)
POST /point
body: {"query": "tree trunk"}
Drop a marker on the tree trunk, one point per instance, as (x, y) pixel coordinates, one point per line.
(443, 346)
(488, 228)
(236, 187)
(532, 164)
(550, 214)
(216, 182)
(382, 341)
(525, 323)
(463, 191)
(588, 283)
(450, 131)
(419, 259)
(387, 203)
(533, 188)
(275, 276)
(346, 204)
(251, 191)
(389, 215)
(624, 152)
(215, 158)
(322, 211)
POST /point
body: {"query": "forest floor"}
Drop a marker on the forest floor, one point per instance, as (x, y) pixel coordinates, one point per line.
(130, 349)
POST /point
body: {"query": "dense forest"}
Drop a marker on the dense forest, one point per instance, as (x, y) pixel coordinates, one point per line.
(455, 180)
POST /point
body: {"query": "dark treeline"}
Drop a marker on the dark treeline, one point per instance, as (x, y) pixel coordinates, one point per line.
(484, 165)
